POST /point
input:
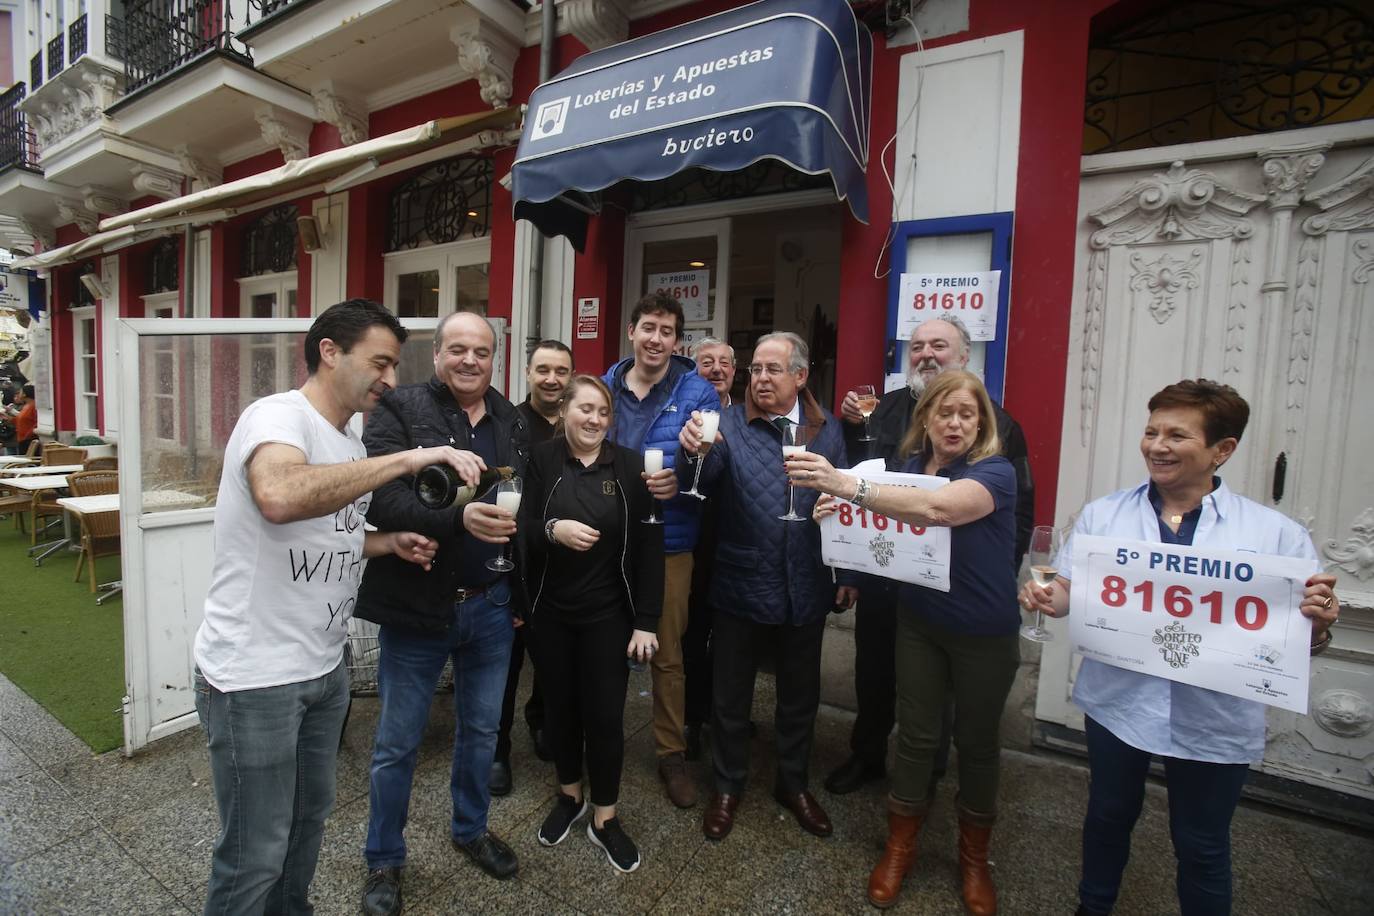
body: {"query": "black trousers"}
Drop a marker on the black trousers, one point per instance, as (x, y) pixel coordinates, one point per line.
(534, 706)
(697, 653)
(584, 672)
(738, 643)
(875, 677)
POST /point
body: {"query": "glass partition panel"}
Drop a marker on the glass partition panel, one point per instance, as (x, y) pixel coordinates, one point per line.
(189, 386)
(194, 386)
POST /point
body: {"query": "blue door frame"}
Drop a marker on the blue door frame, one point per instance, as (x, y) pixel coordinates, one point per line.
(1000, 225)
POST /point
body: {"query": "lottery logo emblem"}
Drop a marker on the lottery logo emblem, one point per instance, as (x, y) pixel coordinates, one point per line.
(551, 118)
(1177, 646)
(883, 550)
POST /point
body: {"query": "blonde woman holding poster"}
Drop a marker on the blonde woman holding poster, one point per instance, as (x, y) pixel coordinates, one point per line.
(962, 641)
(1206, 739)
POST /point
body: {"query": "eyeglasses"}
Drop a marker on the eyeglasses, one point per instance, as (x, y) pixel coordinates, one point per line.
(772, 370)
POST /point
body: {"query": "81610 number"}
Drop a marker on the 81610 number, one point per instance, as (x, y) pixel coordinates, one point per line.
(848, 513)
(1249, 611)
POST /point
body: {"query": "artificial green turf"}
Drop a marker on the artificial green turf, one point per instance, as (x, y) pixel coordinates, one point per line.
(57, 644)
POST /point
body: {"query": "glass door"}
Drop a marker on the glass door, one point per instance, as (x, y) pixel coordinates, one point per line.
(691, 263)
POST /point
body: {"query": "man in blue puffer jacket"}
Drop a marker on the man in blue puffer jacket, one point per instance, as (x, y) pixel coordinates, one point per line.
(655, 393)
(771, 588)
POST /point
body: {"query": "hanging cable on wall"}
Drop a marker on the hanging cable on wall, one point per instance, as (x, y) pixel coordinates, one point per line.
(914, 112)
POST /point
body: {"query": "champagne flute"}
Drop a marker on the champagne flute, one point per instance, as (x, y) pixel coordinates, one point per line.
(653, 463)
(508, 498)
(793, 443)
(868, 402)
(1044, 550)
(710, 425)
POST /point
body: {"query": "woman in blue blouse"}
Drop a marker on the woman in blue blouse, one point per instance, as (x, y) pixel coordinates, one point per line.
(1206, 739)
(963, 641)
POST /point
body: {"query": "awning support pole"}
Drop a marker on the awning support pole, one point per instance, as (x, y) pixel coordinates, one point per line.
(548, 34)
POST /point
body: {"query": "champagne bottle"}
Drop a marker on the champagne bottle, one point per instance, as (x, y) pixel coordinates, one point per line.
(439, 486)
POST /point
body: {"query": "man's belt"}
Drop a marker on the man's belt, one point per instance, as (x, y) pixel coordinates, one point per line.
(467, 594)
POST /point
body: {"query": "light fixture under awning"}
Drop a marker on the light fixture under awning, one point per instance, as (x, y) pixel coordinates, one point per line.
(783, 79)
(305, 174)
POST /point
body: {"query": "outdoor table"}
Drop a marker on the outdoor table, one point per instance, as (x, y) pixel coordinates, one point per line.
(35, 484)
(14, 461)
(39, 470)
(109, 502)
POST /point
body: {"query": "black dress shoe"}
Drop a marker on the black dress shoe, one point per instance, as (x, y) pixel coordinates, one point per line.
(499, 781)
(541, 747)
(382, 892)
(491, 854)
(853, 775)
(692, 735)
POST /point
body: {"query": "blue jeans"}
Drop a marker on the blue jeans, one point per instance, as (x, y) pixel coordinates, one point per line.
(272, 754)
(479, 640)
(1202, 799)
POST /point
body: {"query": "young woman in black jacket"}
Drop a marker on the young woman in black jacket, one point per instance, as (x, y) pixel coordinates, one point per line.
(594, 576)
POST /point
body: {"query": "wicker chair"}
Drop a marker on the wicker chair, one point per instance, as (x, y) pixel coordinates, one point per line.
(44, 505)
(99, 530)
(62, 454)
(15, 503)
(103, 463)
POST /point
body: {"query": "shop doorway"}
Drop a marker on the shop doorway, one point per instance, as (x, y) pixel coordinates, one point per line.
(742, 274)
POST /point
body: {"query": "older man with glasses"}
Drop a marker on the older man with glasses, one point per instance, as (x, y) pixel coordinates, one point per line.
(771, 590)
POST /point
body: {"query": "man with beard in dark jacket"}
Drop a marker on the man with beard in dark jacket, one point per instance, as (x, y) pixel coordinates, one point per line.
(937, 344)
(459, 609)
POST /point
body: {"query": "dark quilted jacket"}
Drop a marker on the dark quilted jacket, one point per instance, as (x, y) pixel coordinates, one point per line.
(767, 570)
(682, 514)
(393, 591)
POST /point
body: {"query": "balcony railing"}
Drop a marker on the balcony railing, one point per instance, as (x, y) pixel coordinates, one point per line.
(36, 70)
(56, 60)
(17, 146)
(157, 37)
(76, 39)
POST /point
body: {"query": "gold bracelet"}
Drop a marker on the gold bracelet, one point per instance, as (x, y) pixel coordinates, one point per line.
(1319, 647)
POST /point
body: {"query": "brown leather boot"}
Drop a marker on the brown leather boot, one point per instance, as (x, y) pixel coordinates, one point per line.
(903, 824)
(975, 834)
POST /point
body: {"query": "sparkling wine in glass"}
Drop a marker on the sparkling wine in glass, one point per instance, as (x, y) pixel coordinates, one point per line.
(710, 425)
(793, 443)
(868, 402)
(1044, 548)
(508, 498)
(653, 463)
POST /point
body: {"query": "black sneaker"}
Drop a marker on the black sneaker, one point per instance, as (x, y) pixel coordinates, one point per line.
(566, 812)
(382, 892)
(620, 850)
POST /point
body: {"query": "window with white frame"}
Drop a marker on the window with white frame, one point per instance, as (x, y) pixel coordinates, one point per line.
(161, 372)
(267, 289)
(439, 250)
(438, 280)
(266, 364)
(86, 371)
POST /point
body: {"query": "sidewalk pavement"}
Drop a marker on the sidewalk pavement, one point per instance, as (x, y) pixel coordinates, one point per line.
(105, 835)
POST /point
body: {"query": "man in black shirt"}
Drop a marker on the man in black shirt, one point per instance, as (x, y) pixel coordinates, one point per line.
(547, 373)
(937, 344)
(460, 609)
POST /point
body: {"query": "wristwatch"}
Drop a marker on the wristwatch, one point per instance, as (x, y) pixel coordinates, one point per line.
(548, 530)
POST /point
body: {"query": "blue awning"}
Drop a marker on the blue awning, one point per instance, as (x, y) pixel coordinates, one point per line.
(784, 79)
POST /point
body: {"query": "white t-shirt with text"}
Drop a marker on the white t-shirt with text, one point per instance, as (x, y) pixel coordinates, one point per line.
(280, 595)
